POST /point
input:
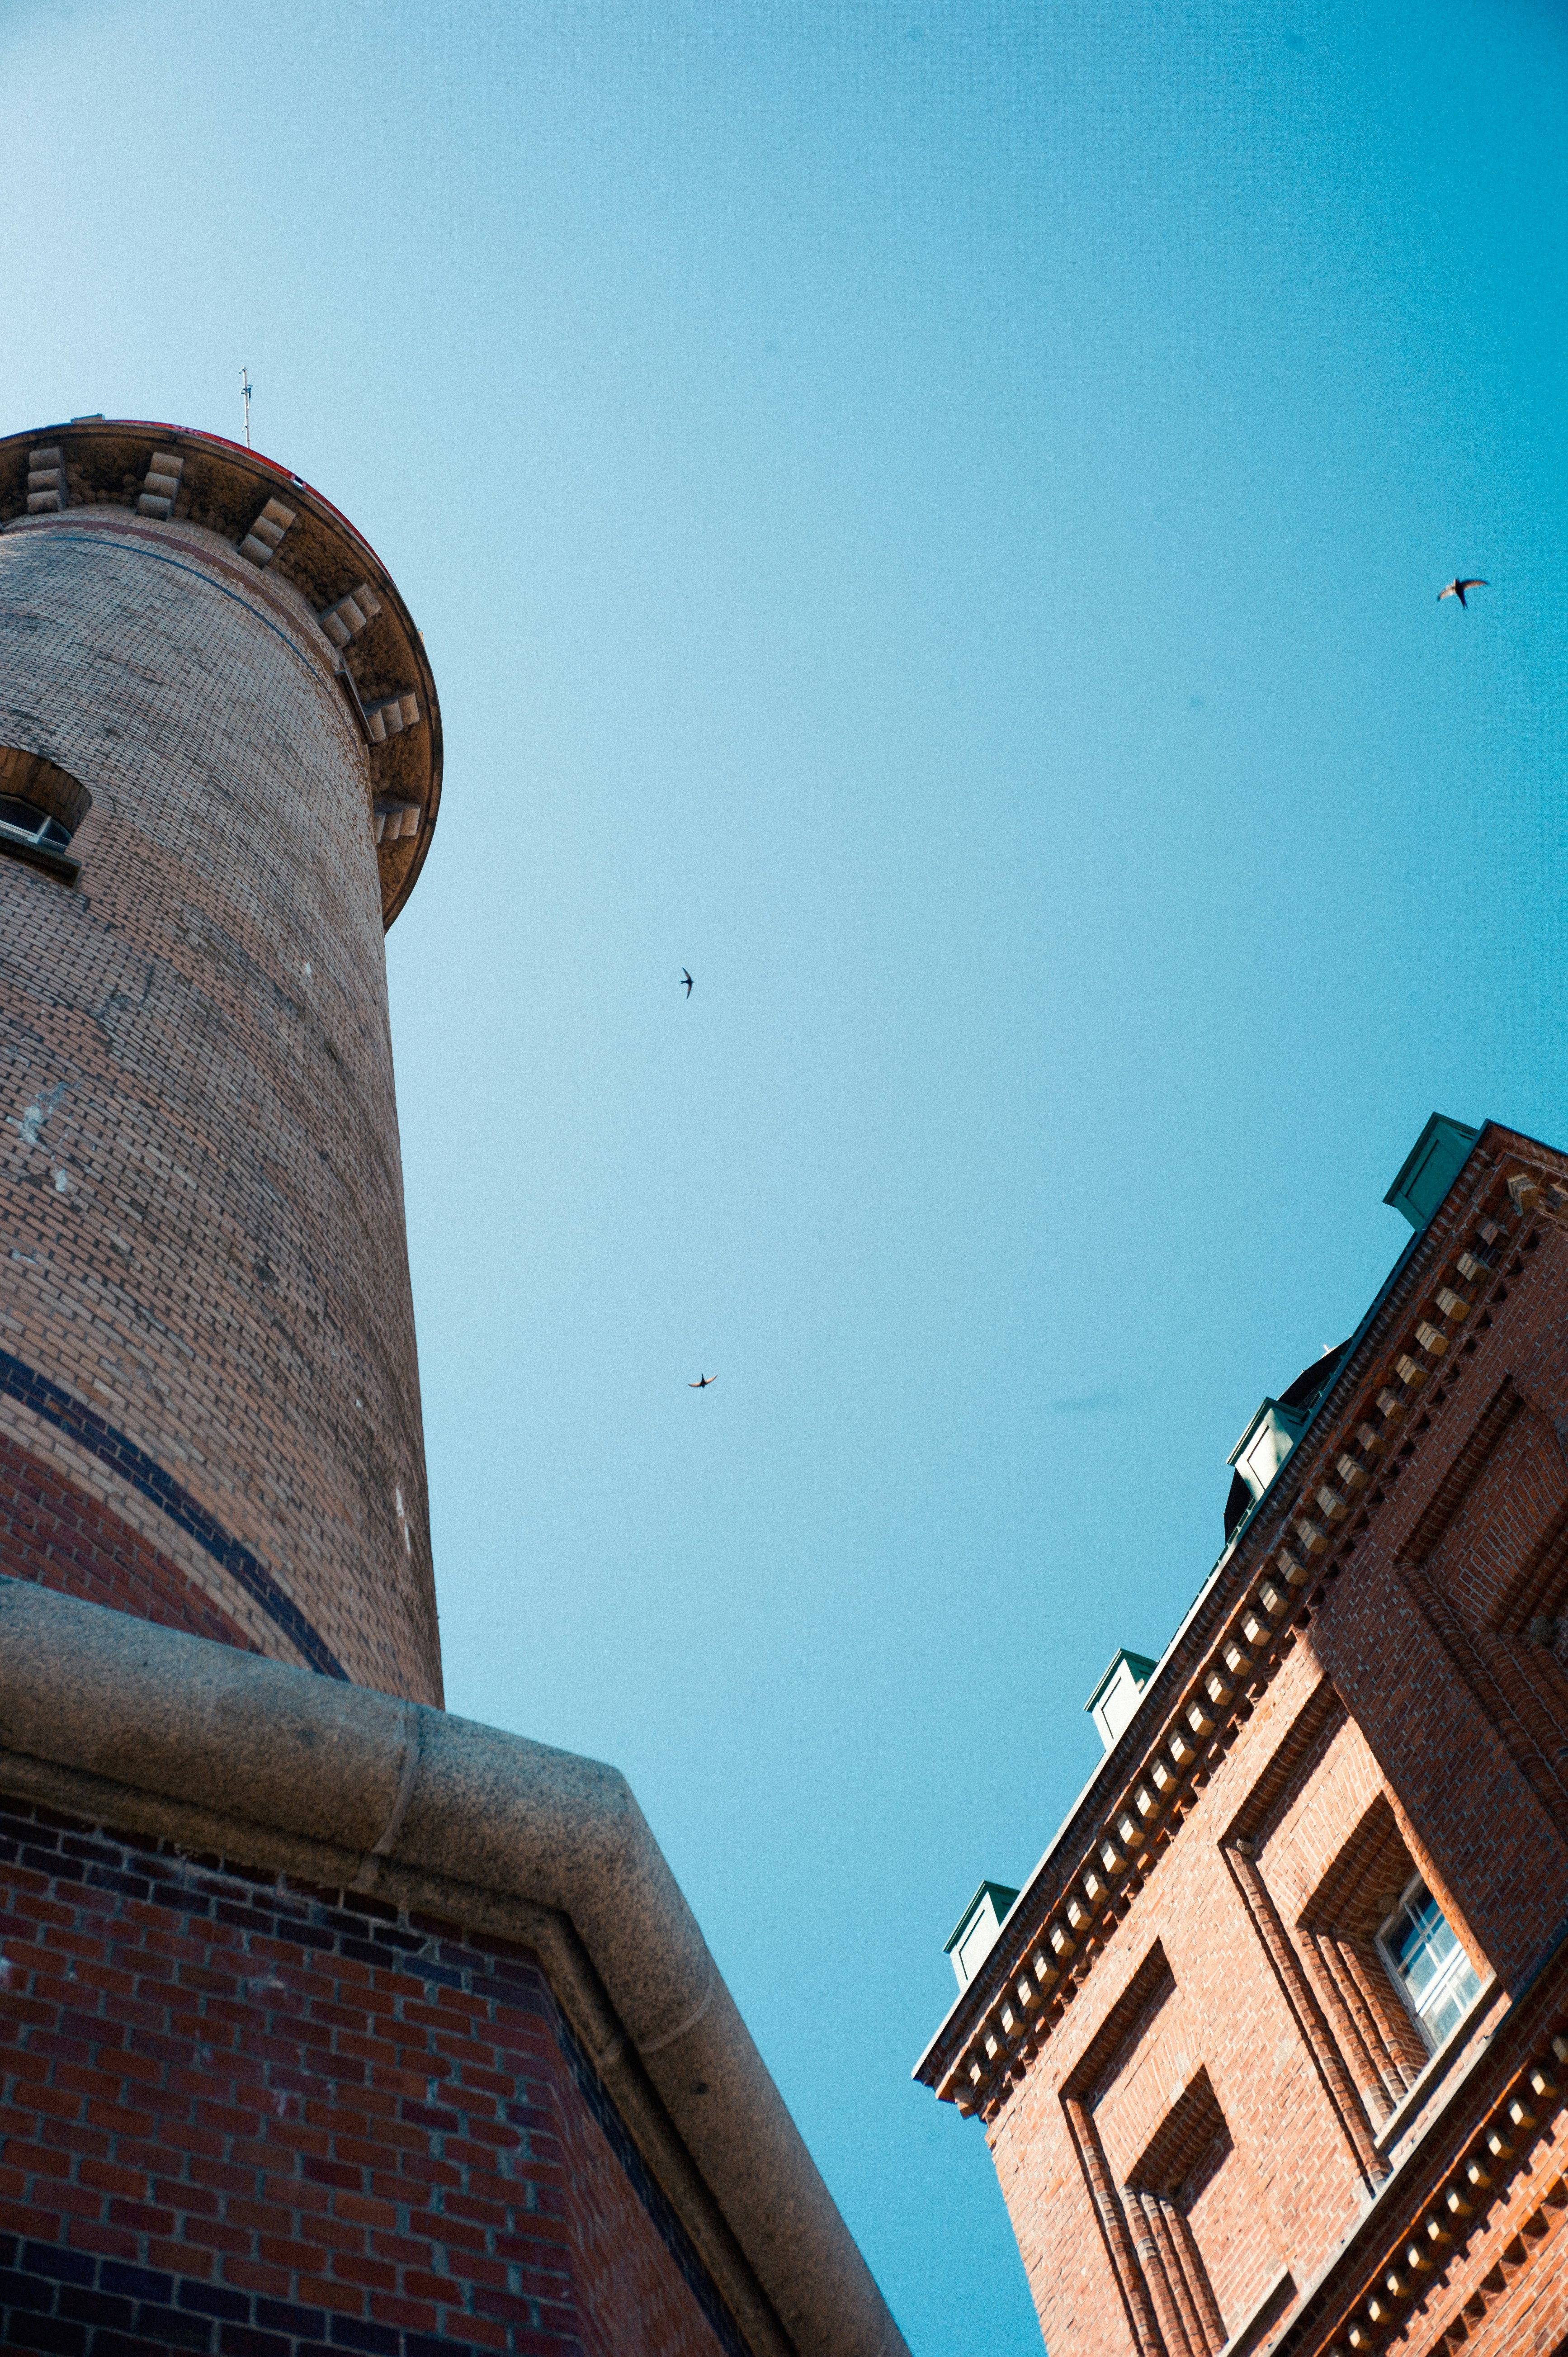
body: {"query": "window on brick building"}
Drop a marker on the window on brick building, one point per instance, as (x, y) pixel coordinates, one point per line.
(1354, 1935)
(24, 822)
(1432, 1971)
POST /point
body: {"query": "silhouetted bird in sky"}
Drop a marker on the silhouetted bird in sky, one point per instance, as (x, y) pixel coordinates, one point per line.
(685, 975)
(1456, 588)
(702, 1382)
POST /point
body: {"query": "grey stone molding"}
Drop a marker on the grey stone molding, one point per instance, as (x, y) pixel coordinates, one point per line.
(155, 1731)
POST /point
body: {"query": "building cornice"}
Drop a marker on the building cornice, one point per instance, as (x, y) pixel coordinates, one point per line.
(1414, 1347)
(308, 568)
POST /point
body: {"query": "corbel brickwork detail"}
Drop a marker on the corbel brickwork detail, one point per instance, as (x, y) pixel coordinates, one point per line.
(1280, 1567)
(1403, 2299)
(1327, 2051)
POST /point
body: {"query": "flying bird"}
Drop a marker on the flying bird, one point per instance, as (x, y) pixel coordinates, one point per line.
(1456, 588)
(702, 1382)
(686, 978)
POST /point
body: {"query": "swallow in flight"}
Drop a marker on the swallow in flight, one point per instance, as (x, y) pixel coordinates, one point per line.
(702, 1382)
(686, 977)
(1456, 588)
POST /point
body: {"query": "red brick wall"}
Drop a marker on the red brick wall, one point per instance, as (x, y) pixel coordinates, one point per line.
(1508, 2294)
(243, 2117)
(1222, 2212)
(1226, 2014)
(59, 1535)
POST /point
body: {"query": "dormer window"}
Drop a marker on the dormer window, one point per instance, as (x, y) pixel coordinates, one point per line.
(23, 822)
(977, 1929)
(1266, 1443)
(1273, 1433)
(1116, 1697)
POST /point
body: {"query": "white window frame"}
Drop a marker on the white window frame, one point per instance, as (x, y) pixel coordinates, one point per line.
(1451, 1974)
(37, 838)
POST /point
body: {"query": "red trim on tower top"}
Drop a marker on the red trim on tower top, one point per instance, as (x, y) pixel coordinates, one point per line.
(241, 450)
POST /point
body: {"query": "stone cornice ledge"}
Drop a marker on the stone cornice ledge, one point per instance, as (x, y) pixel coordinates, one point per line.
(115, 1719)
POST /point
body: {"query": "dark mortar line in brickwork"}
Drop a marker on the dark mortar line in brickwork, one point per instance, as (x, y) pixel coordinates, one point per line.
(124, 548)
(59, 2300)
(77, 1849)
(121, 1456)
(676, 2240)
(77, 1538)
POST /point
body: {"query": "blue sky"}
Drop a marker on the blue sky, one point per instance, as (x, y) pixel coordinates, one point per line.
(930, 517)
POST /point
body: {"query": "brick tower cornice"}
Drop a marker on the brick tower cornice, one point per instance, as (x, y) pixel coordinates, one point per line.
(1431, 1331)
(275, 540)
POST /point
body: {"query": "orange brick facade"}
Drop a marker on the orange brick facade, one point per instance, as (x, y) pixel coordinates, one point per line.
(1216, 2118)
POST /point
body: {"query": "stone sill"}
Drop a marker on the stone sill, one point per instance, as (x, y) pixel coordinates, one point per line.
(33, 854)
(222, 1752)
(1437, 2069)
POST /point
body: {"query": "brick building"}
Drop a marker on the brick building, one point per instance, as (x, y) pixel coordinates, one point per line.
(1272, 2050)
(327, 2022)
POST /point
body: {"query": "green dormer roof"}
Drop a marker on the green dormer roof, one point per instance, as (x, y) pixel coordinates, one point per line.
(1430, 1168)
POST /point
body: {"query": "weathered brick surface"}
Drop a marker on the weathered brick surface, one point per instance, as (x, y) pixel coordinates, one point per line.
(242, 2117)
(199, 1153)
(60, 1535)
(1213, 2071)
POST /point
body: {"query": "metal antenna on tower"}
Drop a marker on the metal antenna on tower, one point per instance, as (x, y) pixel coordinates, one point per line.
(245, 395)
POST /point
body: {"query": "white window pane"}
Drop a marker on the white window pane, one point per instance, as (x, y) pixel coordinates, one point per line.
(1437, 1976)
(1426, 1943)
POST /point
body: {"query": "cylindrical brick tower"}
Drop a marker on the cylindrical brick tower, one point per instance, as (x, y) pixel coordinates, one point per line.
(219, 766)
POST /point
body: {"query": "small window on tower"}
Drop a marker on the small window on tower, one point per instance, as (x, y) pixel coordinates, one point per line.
(41, 808)
(24, 821)
(1422, 1950)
